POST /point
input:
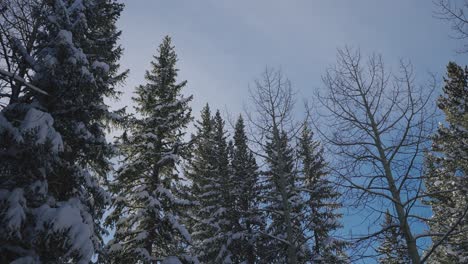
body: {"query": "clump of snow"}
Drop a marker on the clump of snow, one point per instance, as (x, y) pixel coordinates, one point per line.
(82, 131)
(160, 189)
(24, 54)
(115, 247)
(42, 124)
(171, 260)
(15, 214)
(50, 61)
(71, 220)
(141, 236)
(101, 65)
(39, 187)
(76, 6)
(176, 225)
(26, 260)
(65, 38)
(144, 253)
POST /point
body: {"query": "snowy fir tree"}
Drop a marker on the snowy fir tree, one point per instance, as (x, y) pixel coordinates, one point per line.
(200, 171)
(247, 219)
(208, 172)
(222, 217)
(322, 218)
(392, 249)
(447, 181)
(148, 207)
(284, 204)
(54, 156)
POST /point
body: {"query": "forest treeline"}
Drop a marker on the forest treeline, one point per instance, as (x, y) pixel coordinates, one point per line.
(272, 191)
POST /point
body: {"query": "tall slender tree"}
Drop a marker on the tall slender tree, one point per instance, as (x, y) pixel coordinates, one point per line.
(200, 171)
(447, 181)
(208, 172)
(247, 219)
(377, 130)
(284, 203)
(148, 205)
(222, 218)
(274, 127)
(322, 218)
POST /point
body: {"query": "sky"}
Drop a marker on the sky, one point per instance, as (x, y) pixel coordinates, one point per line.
(223, 46)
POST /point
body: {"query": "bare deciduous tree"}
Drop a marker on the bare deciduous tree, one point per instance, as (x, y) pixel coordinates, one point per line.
(377, 125)
(272, 119)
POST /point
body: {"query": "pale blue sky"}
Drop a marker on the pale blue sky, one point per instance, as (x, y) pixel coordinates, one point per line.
(223, 45)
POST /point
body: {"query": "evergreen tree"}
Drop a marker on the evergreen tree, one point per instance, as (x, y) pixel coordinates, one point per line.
(392, 247)
(148, 206)
(321, 202)
(447, 181)
(208, 172)
(200, 171)
(54, 153)
(222, 218)
(246, 217)
(284, 204)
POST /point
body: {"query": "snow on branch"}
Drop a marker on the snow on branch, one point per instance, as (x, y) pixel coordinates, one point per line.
(23, 81)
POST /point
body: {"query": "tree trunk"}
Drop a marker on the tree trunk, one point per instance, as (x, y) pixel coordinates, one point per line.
(292, 257)
(403, 220)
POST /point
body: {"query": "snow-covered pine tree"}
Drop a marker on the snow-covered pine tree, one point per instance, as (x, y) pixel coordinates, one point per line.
(221, 152)
(208, 172)
(30, 213)
(284, 204)
(447, 180)
(321, 216)
(55, 152)
(392, 249)
(222, 218)
(247, 220)
(200, 172)
(148, 207)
